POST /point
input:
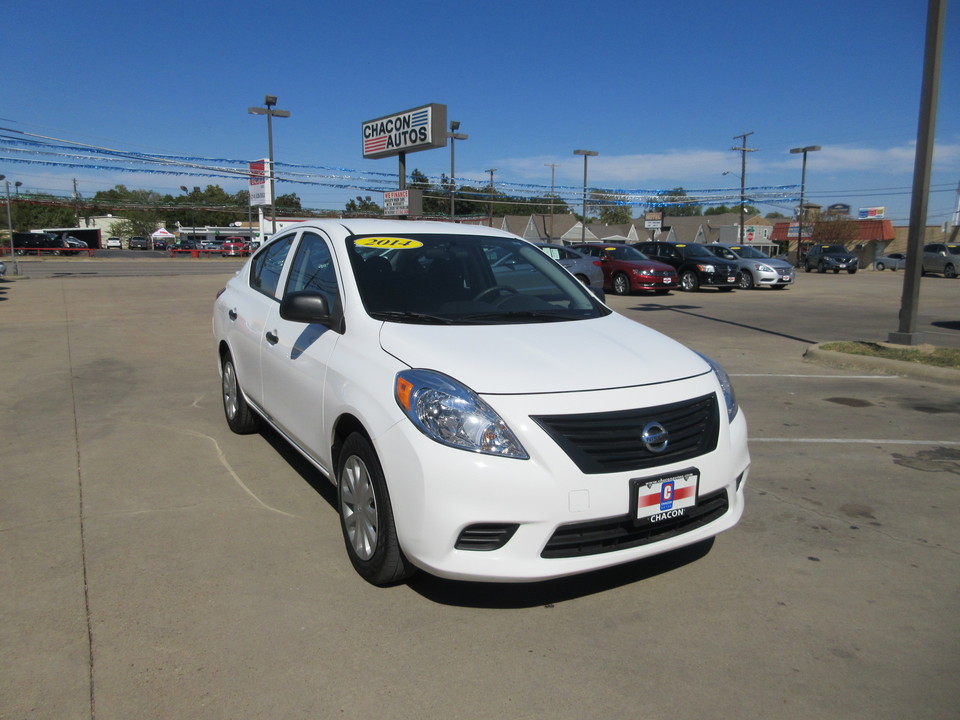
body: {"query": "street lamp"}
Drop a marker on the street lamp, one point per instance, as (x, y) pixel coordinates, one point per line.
(803, 182)
(583, 225)
(270, 101)
(454, 136)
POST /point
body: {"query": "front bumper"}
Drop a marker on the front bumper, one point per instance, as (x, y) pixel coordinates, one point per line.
(440, 495)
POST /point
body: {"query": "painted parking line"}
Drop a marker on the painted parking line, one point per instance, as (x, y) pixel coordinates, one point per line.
(858, 441)
(818, 377)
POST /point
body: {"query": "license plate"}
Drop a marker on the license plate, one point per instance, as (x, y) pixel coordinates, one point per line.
(731, 279)
(843, 265)
(666, 281)
(665, 497)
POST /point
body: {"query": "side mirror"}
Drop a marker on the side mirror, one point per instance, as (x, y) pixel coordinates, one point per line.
(306, 306)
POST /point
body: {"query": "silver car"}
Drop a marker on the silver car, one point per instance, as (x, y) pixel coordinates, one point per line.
(756, 268)
(893, 261)
(583, 267)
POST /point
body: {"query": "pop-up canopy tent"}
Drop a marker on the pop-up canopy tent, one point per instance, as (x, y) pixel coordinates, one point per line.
(162, 234)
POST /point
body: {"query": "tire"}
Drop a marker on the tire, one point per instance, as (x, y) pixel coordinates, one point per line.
(745, 279)
(240, 418)
(689, 282)
(806, 268)
(621, 284)
(583, 279)
(821, 268)
(949, 271)
(881, 267)
(851, 271)
(366, 515)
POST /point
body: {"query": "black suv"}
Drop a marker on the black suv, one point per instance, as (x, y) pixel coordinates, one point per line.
(830, 257)
(696, 266)
(36, 243)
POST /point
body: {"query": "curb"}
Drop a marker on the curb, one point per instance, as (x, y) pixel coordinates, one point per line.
(918, 371)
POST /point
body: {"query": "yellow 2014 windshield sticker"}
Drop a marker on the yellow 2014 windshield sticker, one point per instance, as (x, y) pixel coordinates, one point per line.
(391, 243)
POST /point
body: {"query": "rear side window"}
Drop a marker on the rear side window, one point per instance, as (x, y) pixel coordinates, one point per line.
(268, 264)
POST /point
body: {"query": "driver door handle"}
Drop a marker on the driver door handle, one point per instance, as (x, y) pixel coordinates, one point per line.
(232, 314)
(272, 337)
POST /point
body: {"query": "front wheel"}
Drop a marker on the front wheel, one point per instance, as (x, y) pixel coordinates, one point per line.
(621, 284)
(689, 282)
(880, 266)
(821, 268)
(851, 271)
(746, 280)
(366, 515)
(949, 271)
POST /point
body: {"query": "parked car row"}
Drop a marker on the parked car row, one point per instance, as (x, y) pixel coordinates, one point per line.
(659, 267)
(938, 258)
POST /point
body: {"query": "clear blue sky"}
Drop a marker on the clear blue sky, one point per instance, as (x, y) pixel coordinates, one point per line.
(660, 90)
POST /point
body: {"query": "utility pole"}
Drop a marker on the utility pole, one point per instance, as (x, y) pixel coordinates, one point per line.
(743, 150)
(490, 213)
(553, 173)
(76, 205)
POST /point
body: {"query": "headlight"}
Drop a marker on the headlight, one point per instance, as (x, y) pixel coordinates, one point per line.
(452, 414)
(760, 267)
(729, 396)
(706, 268)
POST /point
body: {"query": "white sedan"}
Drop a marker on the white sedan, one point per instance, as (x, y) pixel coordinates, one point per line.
(482, 414)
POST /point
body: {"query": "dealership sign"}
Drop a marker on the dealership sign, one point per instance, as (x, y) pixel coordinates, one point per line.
(402, 202)
(421, 128)
(259, 183)
(873, 213)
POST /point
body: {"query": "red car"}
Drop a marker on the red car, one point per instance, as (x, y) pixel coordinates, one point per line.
(234, 246)
(626, 269)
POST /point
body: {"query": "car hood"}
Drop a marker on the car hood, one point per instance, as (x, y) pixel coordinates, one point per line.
(576, 356)
(840, 257)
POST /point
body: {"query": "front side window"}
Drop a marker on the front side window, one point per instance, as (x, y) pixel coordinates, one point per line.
(313, 269)
(268, 265)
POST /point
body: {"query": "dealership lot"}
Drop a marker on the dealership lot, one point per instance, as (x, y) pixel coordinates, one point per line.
(156, 565)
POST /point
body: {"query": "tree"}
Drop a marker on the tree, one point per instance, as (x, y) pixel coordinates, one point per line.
(610, 208)
(362, 206)
(835, 230)
(40, 211)
(748, 210)
(678, 203)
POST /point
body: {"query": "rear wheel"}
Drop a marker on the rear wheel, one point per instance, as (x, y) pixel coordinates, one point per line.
(880, 266)
(583, 279)
(241, 419)
(366, 515)
(621, 284)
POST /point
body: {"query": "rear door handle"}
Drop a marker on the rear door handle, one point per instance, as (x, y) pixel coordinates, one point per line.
(272, 337)
(232, 314)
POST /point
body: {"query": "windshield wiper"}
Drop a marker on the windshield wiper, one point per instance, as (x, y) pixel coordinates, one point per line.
(511, 315)
(411, 317)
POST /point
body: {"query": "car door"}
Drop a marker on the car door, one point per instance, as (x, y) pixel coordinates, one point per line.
(248, 308)
(295, 356)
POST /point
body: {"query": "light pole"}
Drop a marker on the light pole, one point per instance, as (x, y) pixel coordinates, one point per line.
(583, 225)
(270, 101)
(16, 265)
(803, 182)
(454, 136)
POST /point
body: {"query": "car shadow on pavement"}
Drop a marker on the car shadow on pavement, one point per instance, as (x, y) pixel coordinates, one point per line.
(685, 310)
(301, 465)
(549, 592)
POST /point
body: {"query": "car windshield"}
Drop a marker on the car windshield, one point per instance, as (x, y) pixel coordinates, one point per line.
(465, 279)
(625, 252)
(750, 253)
(833, 249)
(696, 251)
(953, 249)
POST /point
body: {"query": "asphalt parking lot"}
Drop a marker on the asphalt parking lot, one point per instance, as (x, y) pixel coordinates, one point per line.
(155, 565)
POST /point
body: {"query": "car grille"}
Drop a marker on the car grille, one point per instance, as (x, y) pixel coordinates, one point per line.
(611, 441)
(620, 533)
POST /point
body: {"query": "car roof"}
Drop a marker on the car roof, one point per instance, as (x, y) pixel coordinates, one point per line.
(369, 226)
